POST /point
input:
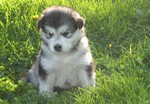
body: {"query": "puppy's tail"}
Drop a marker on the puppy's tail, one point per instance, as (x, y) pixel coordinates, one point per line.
(31, 77)
(25, 78)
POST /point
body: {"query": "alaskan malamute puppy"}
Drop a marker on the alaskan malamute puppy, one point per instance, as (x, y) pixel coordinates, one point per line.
(65, 59)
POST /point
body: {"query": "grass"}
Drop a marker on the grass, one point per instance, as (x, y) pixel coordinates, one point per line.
(119, 34)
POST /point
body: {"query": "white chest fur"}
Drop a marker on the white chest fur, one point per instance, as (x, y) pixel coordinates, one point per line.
(67, 70)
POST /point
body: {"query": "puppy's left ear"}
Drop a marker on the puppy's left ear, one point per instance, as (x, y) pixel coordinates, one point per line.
(40, 22)
(80, 22)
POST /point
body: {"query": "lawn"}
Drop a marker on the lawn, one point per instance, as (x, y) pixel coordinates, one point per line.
(119, 36)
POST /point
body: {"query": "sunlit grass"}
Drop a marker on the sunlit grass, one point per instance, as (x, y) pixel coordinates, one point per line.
(119, 36)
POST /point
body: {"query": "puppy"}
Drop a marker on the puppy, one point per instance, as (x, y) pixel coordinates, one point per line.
(65, 59)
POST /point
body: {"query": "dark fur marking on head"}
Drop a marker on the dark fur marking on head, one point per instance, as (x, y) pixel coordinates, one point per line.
(42, 73)
(90, 69)
(58, 16)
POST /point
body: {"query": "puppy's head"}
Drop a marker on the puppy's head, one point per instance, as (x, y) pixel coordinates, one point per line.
(61, 28)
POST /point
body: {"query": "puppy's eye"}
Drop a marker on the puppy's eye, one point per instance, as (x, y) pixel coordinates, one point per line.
(66, 34)
(50, 35)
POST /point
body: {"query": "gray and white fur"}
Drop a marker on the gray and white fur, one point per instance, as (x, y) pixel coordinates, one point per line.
(65, 59)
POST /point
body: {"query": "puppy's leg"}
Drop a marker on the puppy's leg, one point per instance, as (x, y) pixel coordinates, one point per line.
(46, 86)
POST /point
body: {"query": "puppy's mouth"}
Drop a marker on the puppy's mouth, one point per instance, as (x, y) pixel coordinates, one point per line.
(59, 53)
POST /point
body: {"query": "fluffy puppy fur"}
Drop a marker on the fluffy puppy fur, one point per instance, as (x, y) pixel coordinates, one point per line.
(65, 59)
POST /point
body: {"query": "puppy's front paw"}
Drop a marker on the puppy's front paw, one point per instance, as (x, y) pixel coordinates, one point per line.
(45, 93)
(48, 94)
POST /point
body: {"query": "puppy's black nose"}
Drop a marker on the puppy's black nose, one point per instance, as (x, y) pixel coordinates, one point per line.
(57, 47)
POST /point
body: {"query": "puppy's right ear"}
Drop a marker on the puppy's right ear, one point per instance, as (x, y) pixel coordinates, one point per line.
(40, 22)
(80, 22)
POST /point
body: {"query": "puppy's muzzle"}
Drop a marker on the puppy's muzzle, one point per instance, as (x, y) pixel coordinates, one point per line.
(57, 47)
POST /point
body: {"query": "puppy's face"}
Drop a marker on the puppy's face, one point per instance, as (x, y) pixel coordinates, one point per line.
(62, 39)
(61, 29)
